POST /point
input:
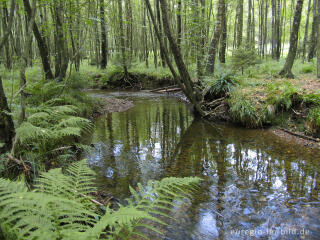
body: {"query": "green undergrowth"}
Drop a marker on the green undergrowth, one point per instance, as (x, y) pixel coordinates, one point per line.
(57, 119)
(276, 103)
(259, 105)
(140, 76)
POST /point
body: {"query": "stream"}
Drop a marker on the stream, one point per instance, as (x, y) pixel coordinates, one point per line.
(256, 185)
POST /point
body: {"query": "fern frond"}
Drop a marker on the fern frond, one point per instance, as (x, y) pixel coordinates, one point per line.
(64, 110)
(27, 132)
(78, 122)
(54, 183)
(67, 132)
(8, 187)
(56, 208)
(81, 177)
(118, 219)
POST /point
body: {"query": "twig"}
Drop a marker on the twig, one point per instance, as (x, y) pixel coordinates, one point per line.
(91, 200)
(19, 162)
(297, 113)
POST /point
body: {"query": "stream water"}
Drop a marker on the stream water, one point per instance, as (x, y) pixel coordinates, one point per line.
(256, 185)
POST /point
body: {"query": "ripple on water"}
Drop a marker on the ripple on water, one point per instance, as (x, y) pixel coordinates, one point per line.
(255, 185)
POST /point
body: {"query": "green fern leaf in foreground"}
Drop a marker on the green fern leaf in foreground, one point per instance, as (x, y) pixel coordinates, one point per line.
(58, 207)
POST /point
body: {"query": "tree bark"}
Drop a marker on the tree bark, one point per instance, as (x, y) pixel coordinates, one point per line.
(287, 69)
(6, 123)
(24, 63)
(314, 32)
(122, 40)
(179, 24)
(157, 3)
(318, 45)
(5, 17)
(223, 40)
(184, 81)
(306, 31)
(61, 58)
(239, 17)
(103, 37)
(216, 37)
(192, 93)
(7, 32)
(43, 48)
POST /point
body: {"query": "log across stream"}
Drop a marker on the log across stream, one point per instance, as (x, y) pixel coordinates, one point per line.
(255, 184)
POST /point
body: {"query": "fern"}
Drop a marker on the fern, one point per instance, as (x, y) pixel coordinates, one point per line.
(49, 128)
(57, 208)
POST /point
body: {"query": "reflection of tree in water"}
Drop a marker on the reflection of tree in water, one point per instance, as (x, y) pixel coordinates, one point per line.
(247, 173)
(250, 168)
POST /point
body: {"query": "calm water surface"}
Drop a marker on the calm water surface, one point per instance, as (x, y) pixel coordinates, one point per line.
(256, 186)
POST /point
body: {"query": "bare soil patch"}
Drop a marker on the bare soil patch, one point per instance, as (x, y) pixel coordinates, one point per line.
(289, 137)
(109, 105)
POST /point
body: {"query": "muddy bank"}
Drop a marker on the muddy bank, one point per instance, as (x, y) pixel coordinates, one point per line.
(110, 105)
(287, 136)
(133, 81)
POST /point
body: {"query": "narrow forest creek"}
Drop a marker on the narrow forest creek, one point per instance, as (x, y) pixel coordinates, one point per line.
(256, 185)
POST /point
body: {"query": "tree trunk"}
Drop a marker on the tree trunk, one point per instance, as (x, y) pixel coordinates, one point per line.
(24, 63)
(239, 26)
(184, 81)
(61, 58)
(192, 93)
(318, 45)
(44, 53)
(6, 33)
(163, 61)
(122, 40)
(314, 32)
(103, 37)
(216, 37)
(306, 31)
(287, 69)
(249, 23)
(223, 40)
(6, 123)
(179, 24)
(129, 23)
(277, 31)
(5, 17)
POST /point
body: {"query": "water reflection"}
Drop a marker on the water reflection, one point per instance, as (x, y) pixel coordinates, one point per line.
(254, 181)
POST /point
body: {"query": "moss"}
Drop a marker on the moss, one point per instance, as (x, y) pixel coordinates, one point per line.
(281, 94)
(312, 99)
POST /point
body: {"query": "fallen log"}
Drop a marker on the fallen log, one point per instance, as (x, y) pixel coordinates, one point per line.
(300, 135)
(163, 88)
(169, 90)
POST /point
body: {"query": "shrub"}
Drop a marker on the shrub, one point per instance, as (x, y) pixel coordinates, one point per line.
(245, 113)
(307, 69)
(223, 84)
(243, 58)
